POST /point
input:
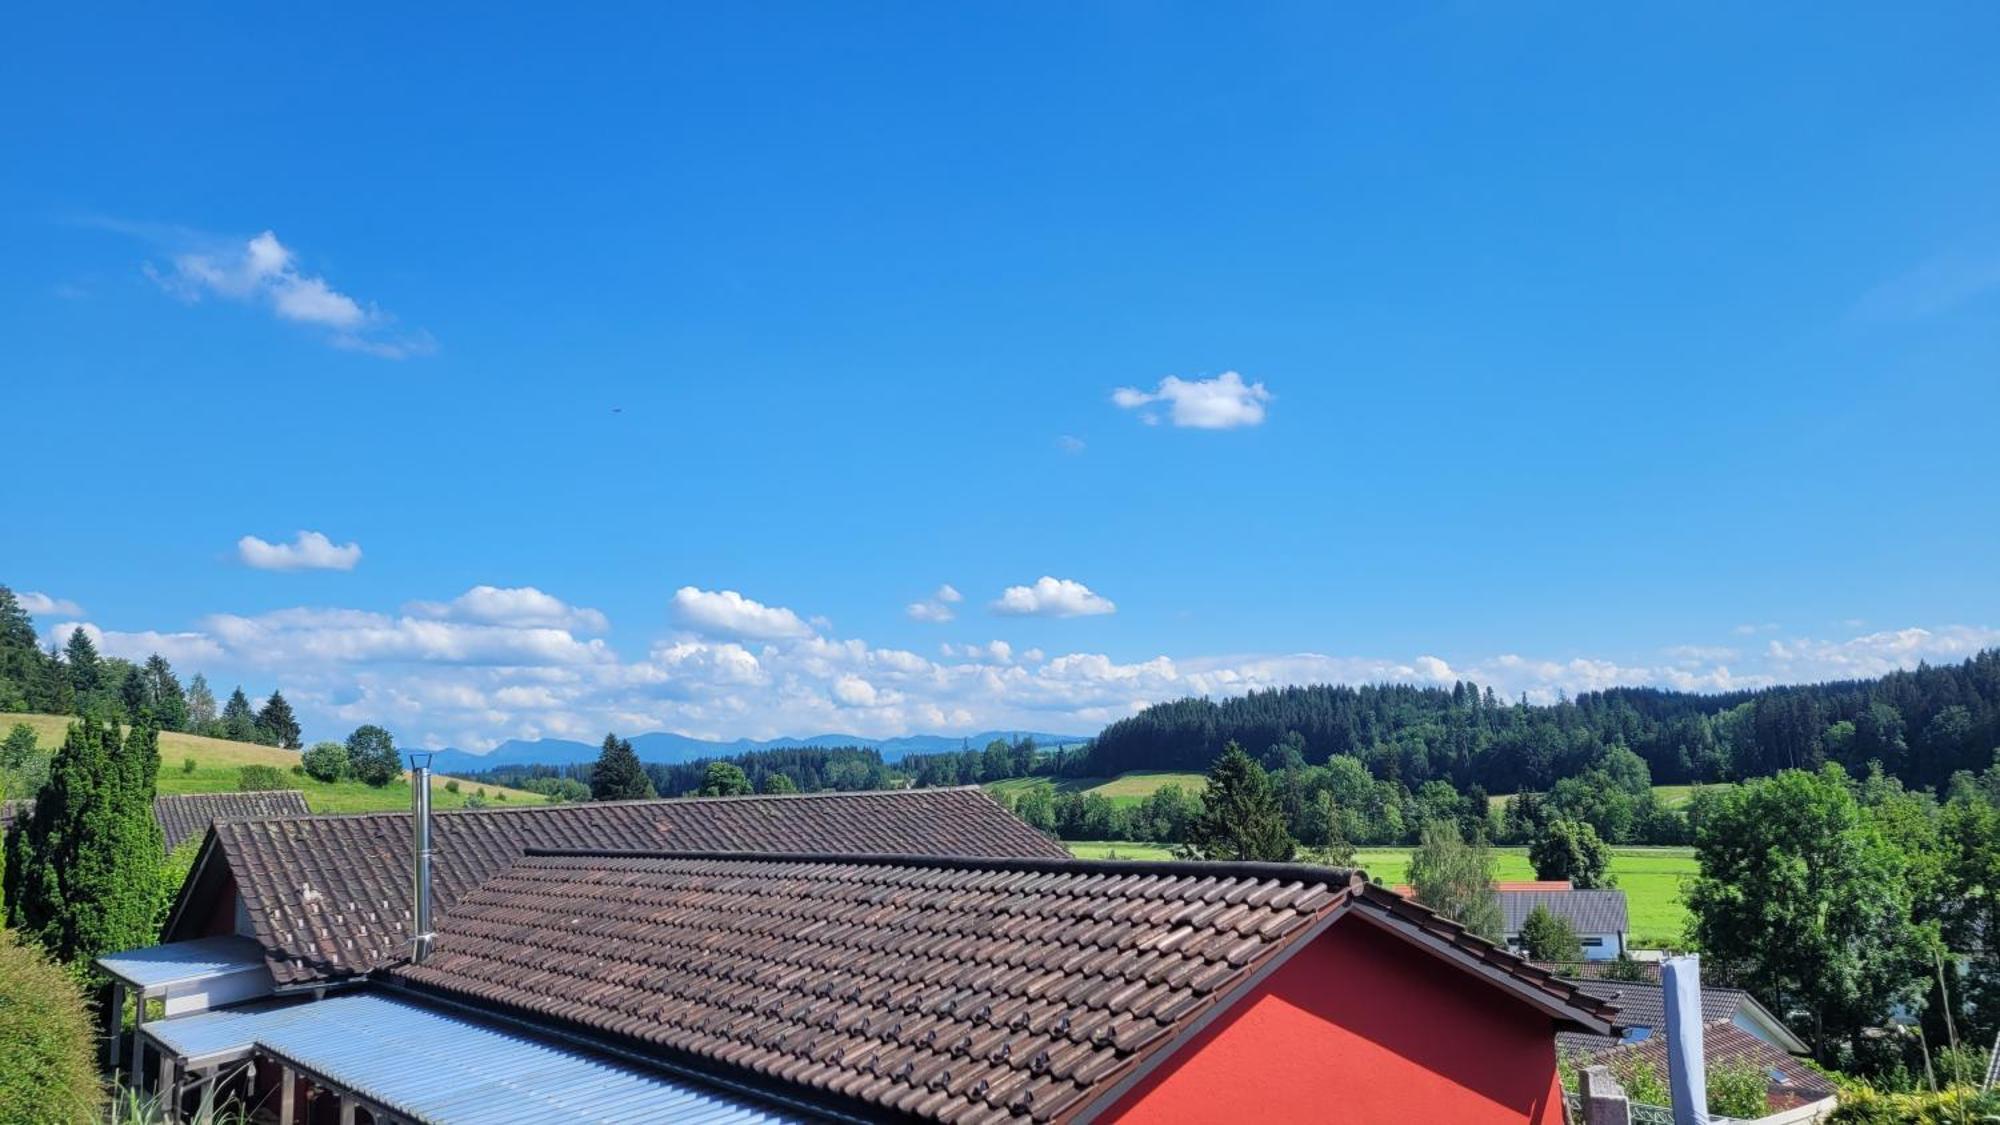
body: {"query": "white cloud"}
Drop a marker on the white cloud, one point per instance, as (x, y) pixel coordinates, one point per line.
(265, 272)
(937, 608)
(497, 662)
(1070, 443)
(36, 604)
(308, 550)
(726, 613)
(178, 648)
(1052, 597)
(1222, 403)
(518, 605)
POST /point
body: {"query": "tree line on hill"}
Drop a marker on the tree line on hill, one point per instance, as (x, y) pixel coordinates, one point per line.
(1922, 725)
(786, 769)
(75, 679)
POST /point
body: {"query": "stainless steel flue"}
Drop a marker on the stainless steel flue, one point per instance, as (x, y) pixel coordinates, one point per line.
(420, 849)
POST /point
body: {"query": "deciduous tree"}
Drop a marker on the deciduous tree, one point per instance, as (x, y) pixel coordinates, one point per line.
(1455, 878)
(371, 755)
(1570, 849)
(1803, 902)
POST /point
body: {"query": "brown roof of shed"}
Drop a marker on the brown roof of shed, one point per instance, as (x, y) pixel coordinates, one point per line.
(183, 816)
(329, 896)
(1789, 1082)
(948, 989)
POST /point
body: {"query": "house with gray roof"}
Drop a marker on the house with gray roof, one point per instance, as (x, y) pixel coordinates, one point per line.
(1598, 917)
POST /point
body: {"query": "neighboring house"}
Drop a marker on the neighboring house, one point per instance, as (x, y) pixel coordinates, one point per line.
(688, 980)
(1642, 1009)
(1598, 917)
(328, 897)
(183, 816)
(1791, 1085)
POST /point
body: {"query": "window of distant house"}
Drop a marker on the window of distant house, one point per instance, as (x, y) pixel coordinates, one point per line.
(1595, 942)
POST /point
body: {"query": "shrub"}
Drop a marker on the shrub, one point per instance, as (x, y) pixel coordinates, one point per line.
(1862, 1106)
(50, 1069)
(187, 765)
(257, 778)
(1738, 1090)
(451, 786)
(1546, 937)
(476, 801)
(326, 761)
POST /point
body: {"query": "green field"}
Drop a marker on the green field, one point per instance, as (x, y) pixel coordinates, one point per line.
(1125, 790)
(216, 762)
(1650, 877)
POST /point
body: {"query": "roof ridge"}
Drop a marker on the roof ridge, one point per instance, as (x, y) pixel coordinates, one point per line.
(823, 794)
(1249, 869)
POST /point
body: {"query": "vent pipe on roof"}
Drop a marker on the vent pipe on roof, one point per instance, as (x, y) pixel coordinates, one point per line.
(420, 850)
(1687, 1065)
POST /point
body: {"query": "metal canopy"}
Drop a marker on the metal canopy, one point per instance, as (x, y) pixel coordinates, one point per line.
(183, 962)
(427, 1065)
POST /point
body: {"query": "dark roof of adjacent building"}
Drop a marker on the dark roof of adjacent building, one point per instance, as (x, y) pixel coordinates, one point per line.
(1645, 1005)
(183, 816)
(1791, 1082)
(1588, 912)
(329, 896)
(948, 989)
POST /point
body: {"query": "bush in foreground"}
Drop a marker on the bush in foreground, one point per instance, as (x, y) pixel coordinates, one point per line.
(48, 1064)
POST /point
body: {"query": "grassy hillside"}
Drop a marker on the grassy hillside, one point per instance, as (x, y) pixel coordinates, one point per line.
(216, 762)
(1125, 790)
(1650, 877)
(1671, 796)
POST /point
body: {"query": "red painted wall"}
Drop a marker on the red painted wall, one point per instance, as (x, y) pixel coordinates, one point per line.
(1361, 1027)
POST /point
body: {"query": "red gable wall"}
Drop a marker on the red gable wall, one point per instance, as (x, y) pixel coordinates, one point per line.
(1360, 1027)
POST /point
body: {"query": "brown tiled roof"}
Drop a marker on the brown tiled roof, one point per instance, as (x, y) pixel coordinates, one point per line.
(329, 896)
(183, 816)
(943, 989)
(1790, 1082)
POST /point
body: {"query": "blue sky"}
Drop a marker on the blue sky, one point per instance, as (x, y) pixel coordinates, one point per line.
(1568, 349)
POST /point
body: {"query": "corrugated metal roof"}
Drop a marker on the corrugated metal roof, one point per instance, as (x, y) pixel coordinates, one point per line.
(183, 962)
(438, 1067)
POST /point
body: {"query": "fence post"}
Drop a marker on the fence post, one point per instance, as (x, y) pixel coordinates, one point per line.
(1604, 1101)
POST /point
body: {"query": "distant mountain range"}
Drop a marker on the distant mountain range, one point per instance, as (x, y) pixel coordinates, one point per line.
(662, 746)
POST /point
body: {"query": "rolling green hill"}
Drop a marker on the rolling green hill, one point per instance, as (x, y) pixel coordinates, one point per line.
(1125, 790)
(216, 762)
(1650, 877)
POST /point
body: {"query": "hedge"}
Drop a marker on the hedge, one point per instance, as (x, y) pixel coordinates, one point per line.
(48, 1056)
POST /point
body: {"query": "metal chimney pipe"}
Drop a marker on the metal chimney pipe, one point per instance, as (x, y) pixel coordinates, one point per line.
(1687, 1065)
(420, 848)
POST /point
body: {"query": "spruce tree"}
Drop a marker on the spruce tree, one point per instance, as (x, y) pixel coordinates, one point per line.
(1241, 817)
(170, 705)
(86, 670)
(618, 776)
(238, 722)
(82, 874)
(278, 725)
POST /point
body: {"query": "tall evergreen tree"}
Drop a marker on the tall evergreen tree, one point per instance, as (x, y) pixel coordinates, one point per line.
(200, 705)
(163, 689)
(238, 721)
(276, 723)
(86, 670)
(20, 655)
(1240, 816)
(82, 874)
(618, 776)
